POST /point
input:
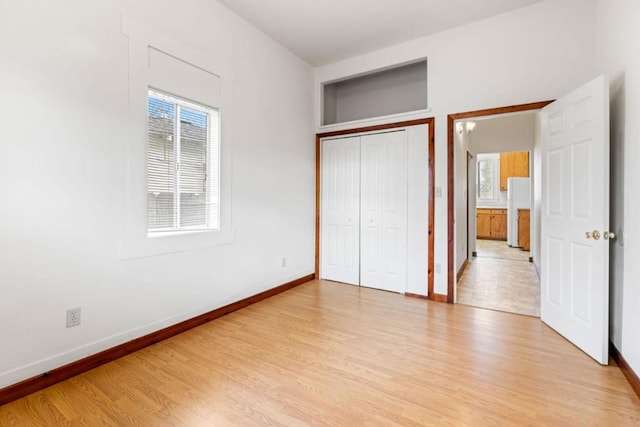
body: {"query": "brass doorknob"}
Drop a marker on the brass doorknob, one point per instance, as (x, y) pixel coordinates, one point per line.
(595, 234)
(609, 235)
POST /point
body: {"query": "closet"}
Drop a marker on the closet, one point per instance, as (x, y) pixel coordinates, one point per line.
(364, 202)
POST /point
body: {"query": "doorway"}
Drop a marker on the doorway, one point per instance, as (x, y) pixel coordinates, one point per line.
(498, 274)
(571, 206)
(489, 257)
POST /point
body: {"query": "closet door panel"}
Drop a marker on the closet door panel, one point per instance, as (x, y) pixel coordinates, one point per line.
(384, 211)
(394, 212)
(371, 231)
(340, 216)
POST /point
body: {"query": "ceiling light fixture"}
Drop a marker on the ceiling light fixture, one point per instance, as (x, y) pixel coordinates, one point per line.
(470, 126)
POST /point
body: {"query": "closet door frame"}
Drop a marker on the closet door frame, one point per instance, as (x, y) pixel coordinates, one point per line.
(430, 122)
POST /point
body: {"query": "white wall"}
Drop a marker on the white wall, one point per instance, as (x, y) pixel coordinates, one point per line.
(536, 194)
(503, 133)
(500, 203)
(618, 35)
(393, 91)
(472, 213)
(66, 123)
(461, 142)
(531, 54)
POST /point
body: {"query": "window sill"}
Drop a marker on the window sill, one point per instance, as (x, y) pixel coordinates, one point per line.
(161, 234)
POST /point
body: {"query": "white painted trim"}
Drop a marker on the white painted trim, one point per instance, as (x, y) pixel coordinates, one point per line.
(135, 242)
(373, 121)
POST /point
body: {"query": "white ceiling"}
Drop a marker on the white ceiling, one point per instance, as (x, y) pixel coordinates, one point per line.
(326, 31)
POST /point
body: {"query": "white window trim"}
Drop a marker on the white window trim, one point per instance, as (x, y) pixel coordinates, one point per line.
(136, 243)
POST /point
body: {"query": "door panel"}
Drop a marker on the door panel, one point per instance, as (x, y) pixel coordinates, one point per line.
(384, 211)
(483, 224)
(499, 224)
(575, 200)
(340, 219)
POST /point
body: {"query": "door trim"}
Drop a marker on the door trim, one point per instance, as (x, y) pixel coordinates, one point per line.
(431, 197)
(451, 118)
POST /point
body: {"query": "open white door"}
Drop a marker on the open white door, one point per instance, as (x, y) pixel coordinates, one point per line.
(575, 218)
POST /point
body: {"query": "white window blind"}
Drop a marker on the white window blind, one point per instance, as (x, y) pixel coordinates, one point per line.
(182, 165)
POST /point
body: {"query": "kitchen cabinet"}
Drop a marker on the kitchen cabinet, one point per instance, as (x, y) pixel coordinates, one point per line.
(524, 229)
(513, 164)
(491, 224)
(499, 224)
(483, 224)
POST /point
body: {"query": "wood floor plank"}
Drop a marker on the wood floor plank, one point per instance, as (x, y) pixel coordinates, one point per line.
(333, 354)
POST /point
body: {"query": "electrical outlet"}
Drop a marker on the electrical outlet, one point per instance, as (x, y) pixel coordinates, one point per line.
(284, 262)
(438, 192)
(438, 269)
(73, 317)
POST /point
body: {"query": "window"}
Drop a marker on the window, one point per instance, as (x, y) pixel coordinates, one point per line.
(182, 165)
(179, 173)
(487, 179)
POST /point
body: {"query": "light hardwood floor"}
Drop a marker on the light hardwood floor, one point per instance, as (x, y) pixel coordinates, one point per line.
(500, 278)
(334, 354)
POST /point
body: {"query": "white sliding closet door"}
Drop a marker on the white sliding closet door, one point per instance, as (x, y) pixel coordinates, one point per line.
(340, 220)
(383, 218)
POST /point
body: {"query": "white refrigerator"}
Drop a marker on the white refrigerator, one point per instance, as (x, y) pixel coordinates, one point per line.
(518, 197)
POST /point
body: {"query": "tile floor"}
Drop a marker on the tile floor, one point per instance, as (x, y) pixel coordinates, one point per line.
(500, 278)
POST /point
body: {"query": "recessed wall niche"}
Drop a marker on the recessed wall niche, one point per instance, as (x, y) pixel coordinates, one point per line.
(394, 90)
